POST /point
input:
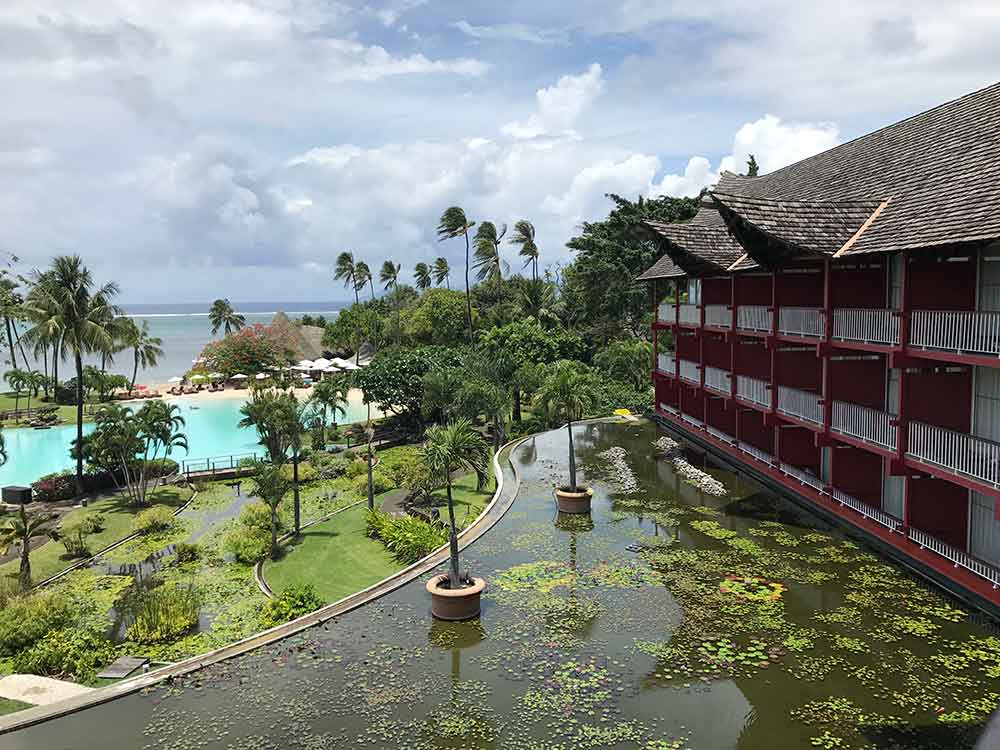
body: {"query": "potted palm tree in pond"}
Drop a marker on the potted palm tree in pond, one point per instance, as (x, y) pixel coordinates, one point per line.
(454, 595)
(568, 394)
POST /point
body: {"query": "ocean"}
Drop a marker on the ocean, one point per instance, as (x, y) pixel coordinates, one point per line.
(185, 330)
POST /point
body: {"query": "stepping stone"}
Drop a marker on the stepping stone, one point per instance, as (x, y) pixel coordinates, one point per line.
(38, 691)
(122, 667)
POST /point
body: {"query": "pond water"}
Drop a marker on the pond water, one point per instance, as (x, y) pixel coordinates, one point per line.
(211, 426)
(636, 627)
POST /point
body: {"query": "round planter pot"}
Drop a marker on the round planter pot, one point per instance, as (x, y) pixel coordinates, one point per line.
(574, 502)
(454, 604)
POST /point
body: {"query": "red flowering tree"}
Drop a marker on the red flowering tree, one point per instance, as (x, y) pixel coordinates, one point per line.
(250, 350)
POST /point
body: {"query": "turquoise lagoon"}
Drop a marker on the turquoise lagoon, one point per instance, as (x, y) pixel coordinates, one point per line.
(212, 428)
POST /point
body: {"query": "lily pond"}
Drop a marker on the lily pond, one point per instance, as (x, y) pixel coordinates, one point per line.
(671, 617)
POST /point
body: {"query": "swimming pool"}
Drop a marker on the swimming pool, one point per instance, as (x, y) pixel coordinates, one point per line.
(211, 428)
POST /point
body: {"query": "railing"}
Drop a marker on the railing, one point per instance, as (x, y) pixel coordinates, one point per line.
(691, 420)
(801, 404)
(752, 450)
(803, 476)
(957, 331)
(665, 363)
(802, 321)
(717, 380)
(870, 425)
(665, 313)
(753, 318)
(868, 511)
(689, 371)
(216, 463)
(961, 559)
(957, 452)
(866, 325)
(718, 316)
(690, 314)
(667, 408)
(753, 390)
(720, 435)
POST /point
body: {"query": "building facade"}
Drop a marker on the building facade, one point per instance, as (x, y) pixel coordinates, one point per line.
(834, 327)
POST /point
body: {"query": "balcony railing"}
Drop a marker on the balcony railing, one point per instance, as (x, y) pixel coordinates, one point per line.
(803, 476)
(809, 322)
(665, 363)
(666, 313)
(689, 371)
(753, 318)
(714, 432)
(717, 380)
(690, 314)
(868, 511)
(718, 316)
(753, 390)
(691, 420)
(801, 404)
(668, 408)
(864, 423)
(961, 559)
(955, 452)
(867, 326)
(956, 331)
(753, 450)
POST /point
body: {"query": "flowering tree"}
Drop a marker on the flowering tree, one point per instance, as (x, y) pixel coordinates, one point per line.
(248, 351)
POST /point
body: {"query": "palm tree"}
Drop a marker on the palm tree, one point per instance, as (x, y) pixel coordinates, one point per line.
(365, 432)
(488, 263)
(451, 447)
(21, 530)
(83, 312)
(363, 275)
(146, 349)
(455, 224)
(524, 235)
(16, 380)
(389, 276)
(222, 315)
(567, 394)
(346, 271)
(271, 486)
(47, 330)
(422, 276)
(330, 394)
(3, 450)
(442, 272)
(33, 382)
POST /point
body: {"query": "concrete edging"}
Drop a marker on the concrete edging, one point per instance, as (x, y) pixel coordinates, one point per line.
(482, 524)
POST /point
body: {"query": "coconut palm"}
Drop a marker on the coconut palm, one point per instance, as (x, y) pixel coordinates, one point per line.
(446, 449)
(346, 271)
(33, 382)
(364, 432)
(271, 486)
(389, 276)
(567, 394)
(46, 331)
(83, 312)
(146, 349)
(422, 276)
(21, 530)
(454, 223)
(363, 276)
(524, 235)
(488, 263)
(330, 395)
(221, 315)
(16, 380)
(442, 272)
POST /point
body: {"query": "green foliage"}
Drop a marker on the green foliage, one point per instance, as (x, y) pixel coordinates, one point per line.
(256, 516)
(354, 326)
(71, 653)
(394, 379)
(628, 361)
(293, 602)
(73, 535)
(437, 318)
(409, 539)
(247, 545)
(153, 520)
(248, 351)
(382, 481)
(186, 552)
(160, 613)
(26, 619)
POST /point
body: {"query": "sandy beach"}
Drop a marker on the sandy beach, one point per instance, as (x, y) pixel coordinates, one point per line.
(355, 397)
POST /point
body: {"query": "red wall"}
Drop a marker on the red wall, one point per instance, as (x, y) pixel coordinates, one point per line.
(688, 346)
(940, 508)
(937, 285)
(753, 289)
(716, 291)
(665, 390)
(858, 285)
(858, 473)
(692, 402)
(753, 431)
(800, 368)
(753, 358)
(798, 448)
(859, 381)
(803, 289)
(717, 351)
(720, 417)
(940, 398)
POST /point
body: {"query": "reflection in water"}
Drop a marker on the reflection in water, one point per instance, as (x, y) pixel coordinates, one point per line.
(607, 630)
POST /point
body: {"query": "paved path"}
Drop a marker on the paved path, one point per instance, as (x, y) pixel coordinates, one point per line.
(38, 691)
(392, 503)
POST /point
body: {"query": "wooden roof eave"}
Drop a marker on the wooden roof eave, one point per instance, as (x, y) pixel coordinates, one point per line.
(768, 250)
(692, 263)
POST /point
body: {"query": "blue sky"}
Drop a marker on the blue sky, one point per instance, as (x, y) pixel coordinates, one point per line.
(201, 148)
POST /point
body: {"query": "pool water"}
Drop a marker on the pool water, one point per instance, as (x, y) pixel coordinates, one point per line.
(211, 426)
(617, 630)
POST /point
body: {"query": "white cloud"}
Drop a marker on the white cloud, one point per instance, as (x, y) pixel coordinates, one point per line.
(517, 32)
(352, 61)
(559, 106)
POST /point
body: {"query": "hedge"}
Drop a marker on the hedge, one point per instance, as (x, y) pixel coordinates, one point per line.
(62, 485)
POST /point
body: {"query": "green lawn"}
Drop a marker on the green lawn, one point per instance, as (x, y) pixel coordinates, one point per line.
(49, 559)
(66, 413)
(335, 556)
(469, 502)
(8, 706)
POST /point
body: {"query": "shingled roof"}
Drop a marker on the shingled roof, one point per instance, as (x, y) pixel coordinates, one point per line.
(664, 268)
(701, 245)
(940, 168)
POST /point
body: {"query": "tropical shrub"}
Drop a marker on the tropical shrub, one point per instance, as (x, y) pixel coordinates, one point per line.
(73, 535)
(53, 488)
(381, 482)
(248, 545)
(153, 520)
(306, 472)
(68, 653)
(26, 619)
(356, 469)
(291, 603)
(160, 613)
(257, 516)
(329, 466)
(186, 552)
(408, 539)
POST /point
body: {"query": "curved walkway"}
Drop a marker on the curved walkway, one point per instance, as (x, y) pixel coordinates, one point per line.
(503, 498)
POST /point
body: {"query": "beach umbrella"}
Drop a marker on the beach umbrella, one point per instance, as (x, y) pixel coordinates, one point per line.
(239, 376)
(261, 376)
(321, 364)
(351, 366)
(175, 379)
(198, 376)
(331, 369)
(216, 375)
(306, 364)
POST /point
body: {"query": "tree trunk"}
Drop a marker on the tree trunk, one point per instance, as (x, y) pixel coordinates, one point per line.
(274, 533)
(25, 572)
(55, 367)
(572, 458)
(454, 577)
(295, 489)
(135, 371)
(78, 358)
(17, 338)
(468, 292)
(371, 494)
(10, 343)
(517, 404)
(45, 370)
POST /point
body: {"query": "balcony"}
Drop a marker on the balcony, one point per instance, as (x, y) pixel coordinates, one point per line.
(689, 371)
(801, 404)
(866, 326)
(689, 315)
(753, 450)
(805, 477)
(955, 453)
(868, 511)
(665, 313)
(718, 316)
(964, 332)
(718, 380)
(665, 363)
(753, 390)
(959, 558)
(870, 425)
(753, 318)
(807, 322)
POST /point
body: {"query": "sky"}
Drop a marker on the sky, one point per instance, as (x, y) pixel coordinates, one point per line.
(195, 149)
